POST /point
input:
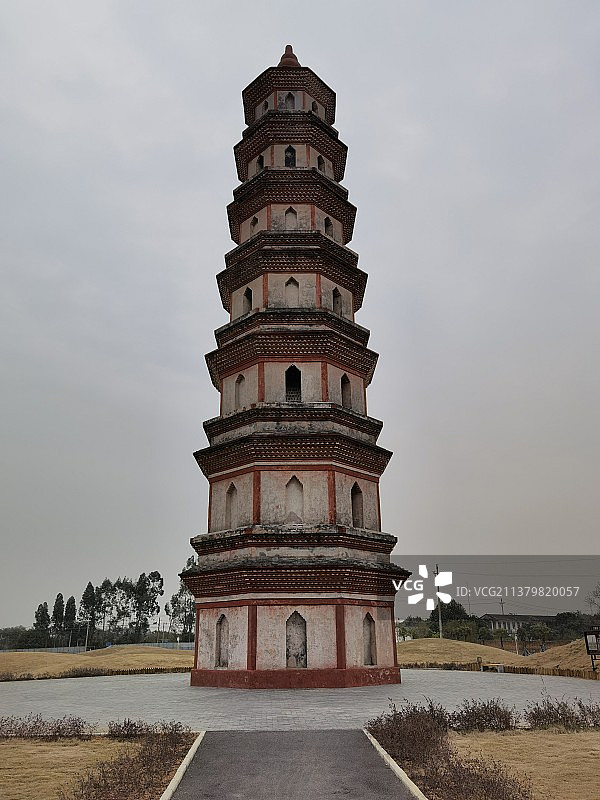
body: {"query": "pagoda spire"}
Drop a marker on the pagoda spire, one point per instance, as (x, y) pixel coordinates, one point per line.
(288, 59)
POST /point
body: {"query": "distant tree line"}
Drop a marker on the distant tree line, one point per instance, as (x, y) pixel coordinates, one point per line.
(457, 623)
(119, 611)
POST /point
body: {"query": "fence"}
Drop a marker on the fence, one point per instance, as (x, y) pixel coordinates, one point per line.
(475, 666)
(168, 645)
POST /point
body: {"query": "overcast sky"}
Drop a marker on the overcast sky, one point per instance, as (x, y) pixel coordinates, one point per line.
(473, 131)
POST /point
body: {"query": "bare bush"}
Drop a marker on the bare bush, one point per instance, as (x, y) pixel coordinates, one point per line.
(130, 729)
(416, 735)
(484, 715)
(550, 712)
(139, 776)
(34, 726)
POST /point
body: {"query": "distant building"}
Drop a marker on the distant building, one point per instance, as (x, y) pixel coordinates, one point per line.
(512, 622)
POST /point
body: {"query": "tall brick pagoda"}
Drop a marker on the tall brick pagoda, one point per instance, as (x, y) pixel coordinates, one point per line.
(293, 583)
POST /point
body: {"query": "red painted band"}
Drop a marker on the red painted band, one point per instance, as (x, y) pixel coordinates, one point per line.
(295, 678)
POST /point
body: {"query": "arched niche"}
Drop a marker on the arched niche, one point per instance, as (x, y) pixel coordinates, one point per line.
(369, 641)
(240, 392)
(291, 219)
(346, 390)
(295, 642)
(294, 500)
(231, 511)
(292, 293)
(357, 506)
(293, 385)
(222, 642)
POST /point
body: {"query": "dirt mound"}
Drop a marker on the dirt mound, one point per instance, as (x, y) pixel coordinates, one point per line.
(444, 651)
(567, 656)
(125, 657)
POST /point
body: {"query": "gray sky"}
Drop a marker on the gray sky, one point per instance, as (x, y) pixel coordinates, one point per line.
(473, 132)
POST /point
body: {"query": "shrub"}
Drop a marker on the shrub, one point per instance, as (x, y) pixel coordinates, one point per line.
(412, 732)
(416, 735)
(129, 729)
(484, 715)
(550, 712)
(34, 726)
(138, 776)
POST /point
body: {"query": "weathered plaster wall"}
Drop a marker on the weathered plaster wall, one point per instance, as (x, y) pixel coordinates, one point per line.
(250, 391)
(320, 635)
(327, 288)
(354, 616)
(307, 289)
(273, 494)
(243, 513)
(334, 383)
(310, 381)
(237, 297)
(247, 229)
(343, 489)
(238, 636)
(302, 220)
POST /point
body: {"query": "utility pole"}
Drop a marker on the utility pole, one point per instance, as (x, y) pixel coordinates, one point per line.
(87, 631)
(437, 572)
(502, 605)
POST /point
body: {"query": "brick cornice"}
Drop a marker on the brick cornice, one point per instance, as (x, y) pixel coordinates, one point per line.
(288, 79)
(296, 242)
(287, 344)
(295, 448)
(282, 127)
(290, 413)
(271, 575)
(266, 318)
(297, 536)
(290, 187)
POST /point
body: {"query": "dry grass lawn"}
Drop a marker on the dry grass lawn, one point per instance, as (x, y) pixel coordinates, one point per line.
(568, 656)
(562, 766)
(421, 651)
(440, 651)
(31, 769)
(122, 657)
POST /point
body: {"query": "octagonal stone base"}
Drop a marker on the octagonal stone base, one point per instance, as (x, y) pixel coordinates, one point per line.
(295, 678)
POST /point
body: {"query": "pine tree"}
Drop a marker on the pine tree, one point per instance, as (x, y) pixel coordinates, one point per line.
(87, 607)
(42, 618)
(58, 613)
(70, 612)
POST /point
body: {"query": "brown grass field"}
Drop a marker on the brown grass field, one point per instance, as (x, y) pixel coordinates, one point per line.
(32, 770)
(125, 657)
(422, 651)
(571, 656)
(562, 766)
(418, 651)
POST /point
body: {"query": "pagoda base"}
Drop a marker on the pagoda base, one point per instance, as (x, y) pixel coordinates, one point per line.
(295, 678)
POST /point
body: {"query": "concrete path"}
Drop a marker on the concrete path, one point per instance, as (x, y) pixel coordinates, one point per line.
(170, 697)
(301, 765)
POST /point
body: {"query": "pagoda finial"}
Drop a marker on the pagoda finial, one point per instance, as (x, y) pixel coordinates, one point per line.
(288, 59)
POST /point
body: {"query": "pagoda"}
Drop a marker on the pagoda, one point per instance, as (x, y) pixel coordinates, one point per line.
(293, 583)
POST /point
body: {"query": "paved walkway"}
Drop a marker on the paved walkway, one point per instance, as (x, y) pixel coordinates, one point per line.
(170, 697)
(230, 765)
